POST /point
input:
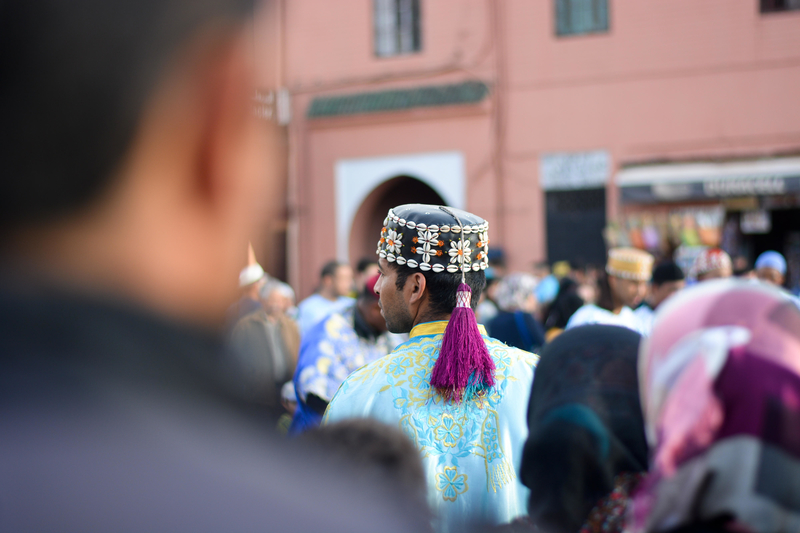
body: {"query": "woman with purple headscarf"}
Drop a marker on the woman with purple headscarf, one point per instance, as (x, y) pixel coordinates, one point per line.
(720, 391)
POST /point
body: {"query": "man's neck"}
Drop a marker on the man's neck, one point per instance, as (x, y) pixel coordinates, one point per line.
(328, 295)
(429, 317)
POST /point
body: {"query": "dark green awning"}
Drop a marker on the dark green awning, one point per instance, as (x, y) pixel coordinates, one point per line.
(469, 92)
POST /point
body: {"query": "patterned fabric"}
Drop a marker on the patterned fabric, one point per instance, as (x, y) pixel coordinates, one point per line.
(329, 353)
(629, 263)
(472, 449)
(709, 260)
(721, 397)
(608, 516)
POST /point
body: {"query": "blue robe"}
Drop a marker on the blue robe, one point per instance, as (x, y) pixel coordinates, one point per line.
(471, 450)
(330, 351)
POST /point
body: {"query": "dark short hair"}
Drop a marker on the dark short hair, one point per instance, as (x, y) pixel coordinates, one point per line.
(364, 263)
(330, 269)
(666, 272)
(77, 75)
(442, 286)
(375, 451)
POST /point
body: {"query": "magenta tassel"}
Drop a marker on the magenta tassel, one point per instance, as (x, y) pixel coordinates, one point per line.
(464, 366)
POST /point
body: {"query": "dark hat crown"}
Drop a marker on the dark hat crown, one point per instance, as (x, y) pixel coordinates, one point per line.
(432, 237)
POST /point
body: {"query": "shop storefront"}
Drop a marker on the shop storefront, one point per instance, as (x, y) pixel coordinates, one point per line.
(745, 207)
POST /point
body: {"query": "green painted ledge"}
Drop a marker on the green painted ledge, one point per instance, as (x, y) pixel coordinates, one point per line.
(469, 92)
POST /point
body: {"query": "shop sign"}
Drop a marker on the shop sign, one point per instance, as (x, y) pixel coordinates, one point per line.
(574, 170)
(715, 188)
(745, 186)
(756, 222)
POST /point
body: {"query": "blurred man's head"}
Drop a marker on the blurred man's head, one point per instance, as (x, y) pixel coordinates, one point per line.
(369, 305)
(771, 268)
(668, 278)
(132, 158)
(712, 263)
(629, 270)
(366, 268)
(252, 279)
(277, 298)
(375, 453)
(335, 280)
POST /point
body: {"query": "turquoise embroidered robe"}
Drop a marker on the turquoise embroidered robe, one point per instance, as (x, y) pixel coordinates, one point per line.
(471, 450)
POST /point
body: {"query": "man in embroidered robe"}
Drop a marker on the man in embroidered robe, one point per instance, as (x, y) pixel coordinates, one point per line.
(470, 437)
(333, 349)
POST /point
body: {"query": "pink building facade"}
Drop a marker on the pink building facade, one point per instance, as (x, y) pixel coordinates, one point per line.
(515, 111)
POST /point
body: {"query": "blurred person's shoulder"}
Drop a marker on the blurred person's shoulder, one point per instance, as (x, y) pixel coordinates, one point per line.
(112, 416)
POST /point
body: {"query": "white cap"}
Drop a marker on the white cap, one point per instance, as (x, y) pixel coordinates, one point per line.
(250, 275)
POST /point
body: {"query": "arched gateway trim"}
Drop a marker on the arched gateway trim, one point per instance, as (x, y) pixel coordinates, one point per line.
(356, 178)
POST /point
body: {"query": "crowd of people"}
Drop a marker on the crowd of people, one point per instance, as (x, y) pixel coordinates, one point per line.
(559, 443)
(431, 390)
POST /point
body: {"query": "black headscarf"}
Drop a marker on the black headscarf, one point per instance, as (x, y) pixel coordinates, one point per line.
(585, 424)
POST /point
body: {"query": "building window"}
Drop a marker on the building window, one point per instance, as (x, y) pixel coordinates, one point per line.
(576, 17)
(772, 6)
(397, 27)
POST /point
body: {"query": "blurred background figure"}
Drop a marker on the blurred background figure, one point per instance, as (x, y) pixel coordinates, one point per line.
(263, 348)
(546, 291)
(770, 267)
(562, 269)
(497, 261)
(566, 303)
(541, 269)
(487, 307)
(366, 268)
(720, 394)
(621, 289)
(335, 284)
(251, 280)
(377, 454)
(515, 323)
(586, 451)
(667, 279)
(712, 263)
(741, 267)
(338, 345)
(278, 299)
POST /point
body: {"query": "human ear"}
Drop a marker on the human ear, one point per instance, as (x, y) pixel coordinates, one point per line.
(415, 287)
(229, 173)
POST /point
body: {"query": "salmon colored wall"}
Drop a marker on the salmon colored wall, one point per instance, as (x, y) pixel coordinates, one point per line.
(468, 132)
(672, 79)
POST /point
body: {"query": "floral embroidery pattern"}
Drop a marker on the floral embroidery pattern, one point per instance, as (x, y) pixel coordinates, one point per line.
(399, 366)
(459, 254)
(458, 442)
(394, 241)
(419, 380)
(449, 432)
(451, 483)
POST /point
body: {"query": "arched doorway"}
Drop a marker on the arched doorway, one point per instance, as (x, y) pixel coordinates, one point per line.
(368, 221)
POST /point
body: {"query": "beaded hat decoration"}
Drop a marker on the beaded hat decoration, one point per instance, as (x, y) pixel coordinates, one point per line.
(449, 242)
(428, 238)
(630, 263)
